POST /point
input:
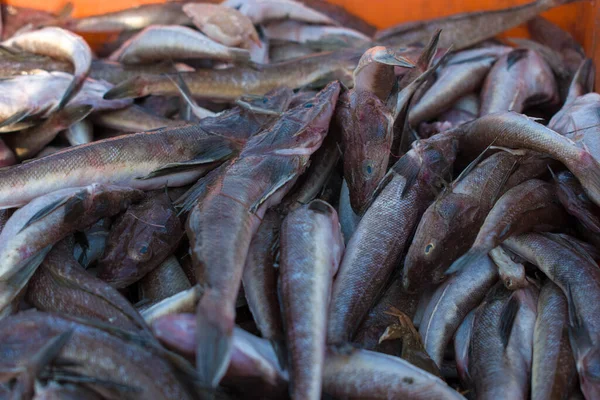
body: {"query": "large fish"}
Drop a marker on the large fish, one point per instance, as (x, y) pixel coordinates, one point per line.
(223, 221)
(311, 250)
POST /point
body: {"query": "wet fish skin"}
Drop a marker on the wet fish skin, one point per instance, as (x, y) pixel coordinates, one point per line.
(61, 285)
(450, 224)
(58, 43)
(502, 347)
(551, 35)
(553, 373)
(231, 83)
(140, 240)
(460, 75)
(348, 218)
(116, 73)
(95, 353)
(319, 37)
(260, 277)
(133, 119)
(367, 374)
(518, 80)
(260, 11)
(182, 302)
(466, 29)
(512, 273)
(462, 346)
(81, 132)
(311, 250)
(136, 157)
(164, 281)
(451, 303)
(234, 204)
(568, 269)
(576, 202)
(14, 62)
(517, 131)
(157, 42)
(29, 234)
(375, 248)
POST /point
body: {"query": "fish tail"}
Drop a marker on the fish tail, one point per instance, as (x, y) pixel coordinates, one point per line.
(130, 88)
(470, 257)
(214, 339)
(241, 56)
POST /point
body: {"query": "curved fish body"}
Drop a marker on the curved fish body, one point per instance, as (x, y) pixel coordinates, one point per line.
(222, 223)
(260, 11)
(311, 250)
(33, 229)
(13, 62)
(450, 304)
(460, 75)
(518, 80)
(512, 272)
(126, 161)
(231, 83)
(58, 43)
(578, 276)
(502, 343)
(450, 225)
(375, 248)
(140, 240)
(164, 281)
(517, 131)
(553, 373)
(576, 202)
(61, 285)
(260, 277)
(366, 374)
(530, 206)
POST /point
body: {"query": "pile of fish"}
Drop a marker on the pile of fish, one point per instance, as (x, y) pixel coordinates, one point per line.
(269, 199)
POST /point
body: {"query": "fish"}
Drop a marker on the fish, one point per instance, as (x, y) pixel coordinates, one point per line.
(518, 80)
(32, 230)
(31, 141)
(514, 130)
(16, 18)
(260, 11)
(140, 240)
(222, 24)
(450, 304)
(310, 253)
(17, 62)
(450, 224)
(393, 301)
(466, 29)
(253, 363)
(576, 202)
(375, 248)
(559, 261)
(462, 73)
(92, 352)
(158, 42)
(90, 243)
(553, 373)
(115, 73)
(132, 118)
(234, 204)
(61, 44)
(81, 132)
(287, 51)
(171, 156)
(61, 285)
(132, 19)
(341, 16)
(502, 343)
(549, 34)
(315, 36)
(164, 281)
(532, 205)
(260, 277)
(231, 83)
(462, 347)
(367, 374)
(348, 218)
(512, 272)
(182, 302)
(7, 156)
(464, 110)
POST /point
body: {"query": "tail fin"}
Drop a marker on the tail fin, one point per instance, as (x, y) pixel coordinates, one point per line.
(214, 339)
(130, 88)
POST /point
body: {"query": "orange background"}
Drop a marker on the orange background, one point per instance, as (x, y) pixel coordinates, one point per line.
(580, 18)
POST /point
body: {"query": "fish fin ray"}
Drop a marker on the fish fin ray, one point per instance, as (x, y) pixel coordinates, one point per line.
(288, 177)
(507, 319)
(470, 257)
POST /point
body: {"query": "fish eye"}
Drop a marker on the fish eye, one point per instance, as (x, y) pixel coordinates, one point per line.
(429, 248)
(368, 167)
(144, 249)
(308, 105)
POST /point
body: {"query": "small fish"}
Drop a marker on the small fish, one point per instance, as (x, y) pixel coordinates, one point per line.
(466, 29)
(140, 240)
(532, 205)
(319, 37)
(311, 250)
(518, 80)
(231, 83)
(553, 373)
(223, 24)
(575, 201)
(81, 132)
(512, 273)
(260, 11)
(32, 230)
(61, 44)
(160, 42)
(61, 285)
(450, 304)
(164, 281)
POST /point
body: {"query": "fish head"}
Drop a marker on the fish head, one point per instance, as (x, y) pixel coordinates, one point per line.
(437, 155)
(375, 70)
